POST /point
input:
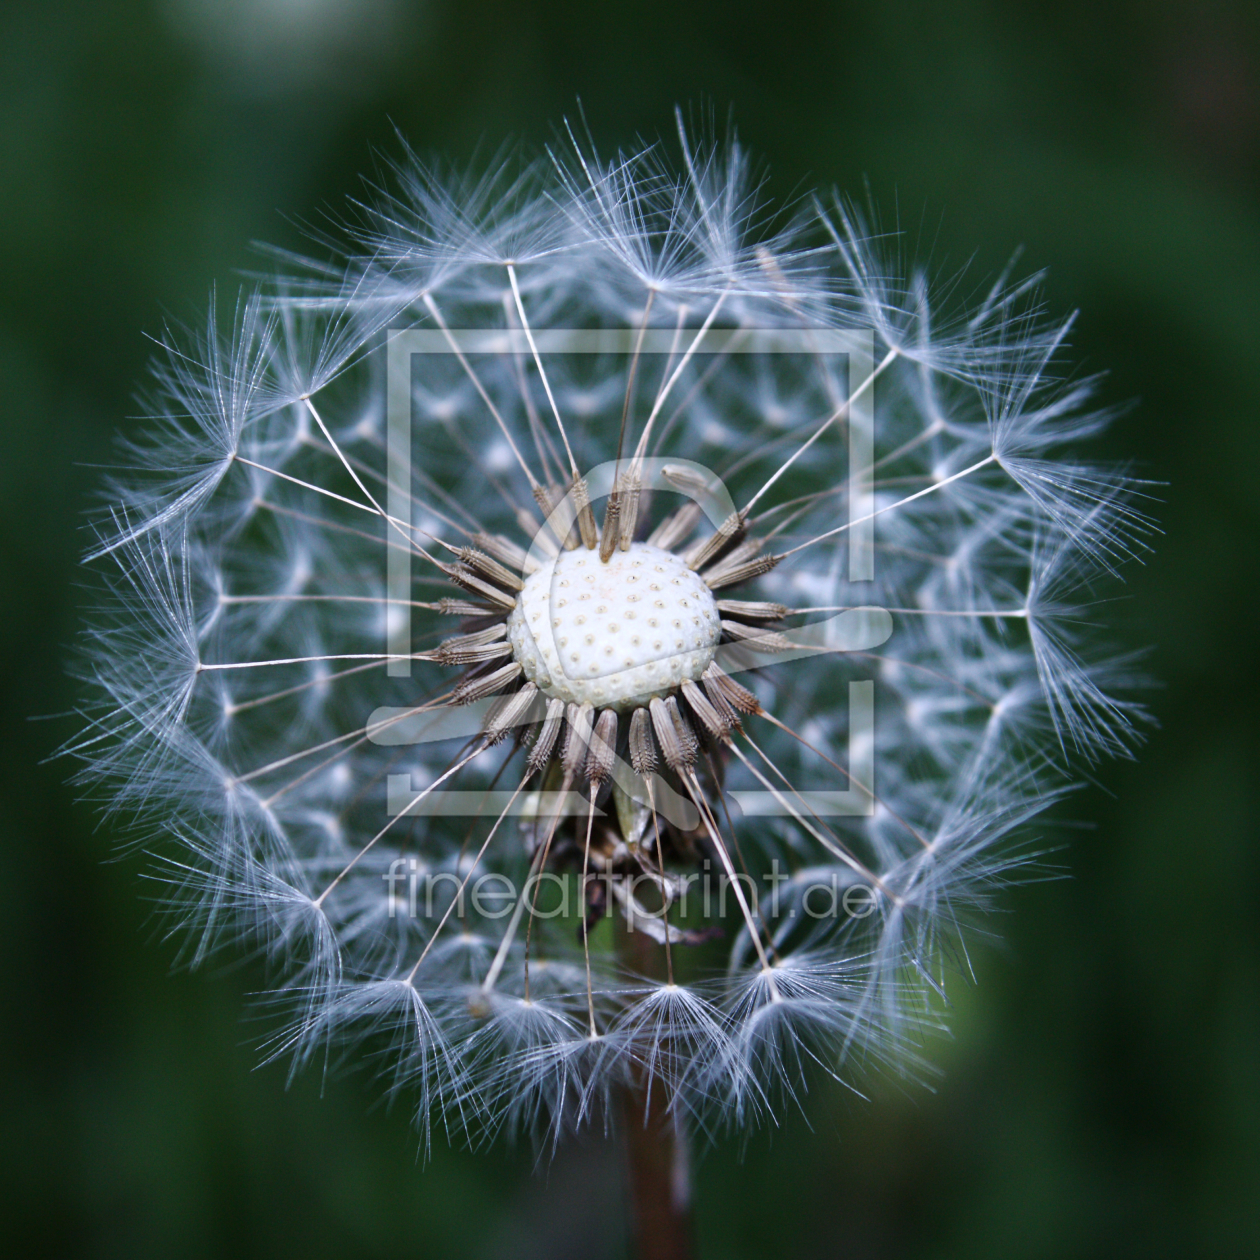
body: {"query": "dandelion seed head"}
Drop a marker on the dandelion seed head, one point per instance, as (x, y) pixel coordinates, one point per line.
(654, 706)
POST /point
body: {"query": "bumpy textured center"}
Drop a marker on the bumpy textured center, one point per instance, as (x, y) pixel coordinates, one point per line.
(614, 635)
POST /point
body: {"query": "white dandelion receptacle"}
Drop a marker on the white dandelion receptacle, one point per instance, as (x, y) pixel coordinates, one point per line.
(600, 642)
(617, 633)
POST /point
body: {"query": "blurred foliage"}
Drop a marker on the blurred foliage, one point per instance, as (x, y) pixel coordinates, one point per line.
(1102, 1093)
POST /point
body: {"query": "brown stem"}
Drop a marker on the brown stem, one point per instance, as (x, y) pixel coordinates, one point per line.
(657, 1155)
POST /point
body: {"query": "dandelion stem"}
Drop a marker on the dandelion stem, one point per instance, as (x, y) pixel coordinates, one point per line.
(658, 1164)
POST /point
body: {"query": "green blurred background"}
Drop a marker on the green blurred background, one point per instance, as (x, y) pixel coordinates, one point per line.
(1101, 1096)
